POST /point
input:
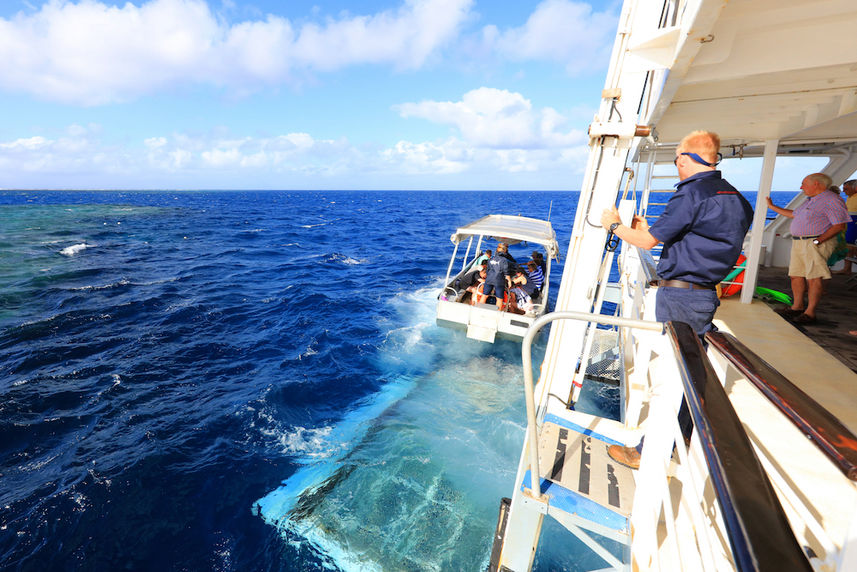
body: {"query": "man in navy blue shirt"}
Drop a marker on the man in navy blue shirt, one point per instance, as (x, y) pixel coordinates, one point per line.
(499, 272)
(702, 228)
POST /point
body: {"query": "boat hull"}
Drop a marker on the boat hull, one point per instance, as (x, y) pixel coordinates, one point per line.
(483, 322)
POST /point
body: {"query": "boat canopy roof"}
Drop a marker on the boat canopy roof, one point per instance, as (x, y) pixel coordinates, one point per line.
(511, 229)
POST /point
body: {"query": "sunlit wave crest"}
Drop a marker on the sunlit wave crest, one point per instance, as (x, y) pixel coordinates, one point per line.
(75, 248)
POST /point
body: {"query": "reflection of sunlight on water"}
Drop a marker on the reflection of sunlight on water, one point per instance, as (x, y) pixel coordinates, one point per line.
(426, 461)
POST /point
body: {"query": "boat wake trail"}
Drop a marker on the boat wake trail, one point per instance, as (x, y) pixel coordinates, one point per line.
(411, 478)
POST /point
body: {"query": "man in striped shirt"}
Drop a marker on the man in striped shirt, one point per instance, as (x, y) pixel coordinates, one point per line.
(814, 227)
(535, 274)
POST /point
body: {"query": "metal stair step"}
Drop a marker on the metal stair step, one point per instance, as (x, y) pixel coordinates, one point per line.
(580, 464)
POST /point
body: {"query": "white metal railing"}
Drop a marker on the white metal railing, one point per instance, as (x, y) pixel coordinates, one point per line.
(698, 536)
(729, 516)
(663, 435)
(526, 357)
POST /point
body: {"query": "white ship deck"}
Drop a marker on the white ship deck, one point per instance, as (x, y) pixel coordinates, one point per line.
(813, 484)
(794, 354)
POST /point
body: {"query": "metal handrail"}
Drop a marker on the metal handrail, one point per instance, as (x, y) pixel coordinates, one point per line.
(758, 530)
(526, 357)
(647, 261)
(809, 416)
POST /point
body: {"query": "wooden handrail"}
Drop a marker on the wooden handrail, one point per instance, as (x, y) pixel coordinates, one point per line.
(816, 422)
(758, 530)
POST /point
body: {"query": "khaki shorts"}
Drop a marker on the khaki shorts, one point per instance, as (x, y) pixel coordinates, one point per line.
(809, 260)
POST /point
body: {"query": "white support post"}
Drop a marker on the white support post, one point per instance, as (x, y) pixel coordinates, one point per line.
(652, 474)
(467, 254)
(449, 268)
(751, 270)
(523, 528)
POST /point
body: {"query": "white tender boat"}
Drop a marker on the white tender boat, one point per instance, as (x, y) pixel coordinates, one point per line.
(484, 321)
(766, 480)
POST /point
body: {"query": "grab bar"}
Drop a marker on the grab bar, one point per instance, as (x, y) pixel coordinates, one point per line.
(526, 357)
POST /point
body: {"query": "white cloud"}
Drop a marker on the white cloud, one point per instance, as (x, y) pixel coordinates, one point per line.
(222, 157)
(559, 30)
(26, 144)
(155, 142)
(496, 136)
(212, 154)
(178, 159)
(421, 158)
(79, 149)
(495, 118)
(91, 53)
(405, 38)
(291, 160)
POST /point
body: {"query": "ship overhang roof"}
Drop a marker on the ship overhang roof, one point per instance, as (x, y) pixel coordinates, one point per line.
(755, 71)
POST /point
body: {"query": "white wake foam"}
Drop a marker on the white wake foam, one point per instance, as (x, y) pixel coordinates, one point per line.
(74, 249)
(123, 282)
(344, 259)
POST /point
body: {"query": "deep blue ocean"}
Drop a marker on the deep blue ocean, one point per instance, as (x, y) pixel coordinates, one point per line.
(253, 381)
(176, 368)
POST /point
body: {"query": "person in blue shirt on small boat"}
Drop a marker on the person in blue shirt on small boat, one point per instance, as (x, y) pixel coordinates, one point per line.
(499, 274)
(703, 228)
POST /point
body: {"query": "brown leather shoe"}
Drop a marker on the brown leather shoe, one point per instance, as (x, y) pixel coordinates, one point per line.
(628, 456)
(788, 312)
(804, 319)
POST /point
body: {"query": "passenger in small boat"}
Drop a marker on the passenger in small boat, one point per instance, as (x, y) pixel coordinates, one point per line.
(479, 296)
(535, 275)
(483, 258)
(521, 294)
(471, 280)
(504, 252)
(498, 276)
(540, 261)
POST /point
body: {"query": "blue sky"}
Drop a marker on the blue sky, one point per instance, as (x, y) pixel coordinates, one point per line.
(229, 94)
